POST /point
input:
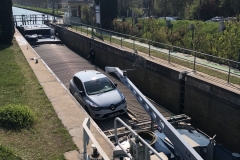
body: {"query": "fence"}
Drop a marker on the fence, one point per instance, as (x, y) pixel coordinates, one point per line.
(86, 135)
(33, 19)
(168, 52)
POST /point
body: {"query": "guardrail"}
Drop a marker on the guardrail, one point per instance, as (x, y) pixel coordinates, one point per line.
(86, 135)
(34, 19)
(227, 66)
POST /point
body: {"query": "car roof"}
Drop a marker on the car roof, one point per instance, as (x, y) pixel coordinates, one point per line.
(89, 75)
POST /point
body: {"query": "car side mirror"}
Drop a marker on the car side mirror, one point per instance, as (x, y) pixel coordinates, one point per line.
(115, 84)
(81, 93)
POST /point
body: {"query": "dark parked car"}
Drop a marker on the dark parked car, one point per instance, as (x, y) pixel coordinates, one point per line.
(217, 19)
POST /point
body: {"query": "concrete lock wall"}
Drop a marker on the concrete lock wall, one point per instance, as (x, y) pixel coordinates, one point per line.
(213, 109)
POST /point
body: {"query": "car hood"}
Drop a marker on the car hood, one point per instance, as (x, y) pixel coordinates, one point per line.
(107, 98)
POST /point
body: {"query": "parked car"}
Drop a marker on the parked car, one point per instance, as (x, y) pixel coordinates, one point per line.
(177, 18)
(217, 19)
(97, 94)
(168, 18)
(230, 19)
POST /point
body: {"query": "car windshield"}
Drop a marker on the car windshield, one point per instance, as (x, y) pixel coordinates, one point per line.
(99, 86)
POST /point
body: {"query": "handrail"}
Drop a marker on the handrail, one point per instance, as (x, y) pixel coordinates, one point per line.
(88, 134)
(136, 136)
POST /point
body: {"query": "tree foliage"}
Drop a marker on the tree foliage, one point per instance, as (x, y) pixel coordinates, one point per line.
(194, 9)
(6, 22)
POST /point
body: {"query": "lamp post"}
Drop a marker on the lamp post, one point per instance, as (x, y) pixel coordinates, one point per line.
(54, 20)
(191, 27)
(132, 13)
(91, 10)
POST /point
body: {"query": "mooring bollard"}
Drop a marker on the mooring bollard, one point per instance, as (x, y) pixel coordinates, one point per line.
(95, 153)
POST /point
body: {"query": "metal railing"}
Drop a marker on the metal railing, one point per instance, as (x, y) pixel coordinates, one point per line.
(88, 134)
(227, 66)
(137, 137)
(33, 19)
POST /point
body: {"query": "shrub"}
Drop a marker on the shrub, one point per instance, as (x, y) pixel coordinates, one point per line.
(16, 117)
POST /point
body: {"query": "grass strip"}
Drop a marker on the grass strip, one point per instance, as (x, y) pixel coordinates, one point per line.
(47, 139)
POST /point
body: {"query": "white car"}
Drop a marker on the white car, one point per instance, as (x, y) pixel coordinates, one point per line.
(97, 94)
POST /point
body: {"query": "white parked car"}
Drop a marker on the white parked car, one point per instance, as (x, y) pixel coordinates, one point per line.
(97, 94)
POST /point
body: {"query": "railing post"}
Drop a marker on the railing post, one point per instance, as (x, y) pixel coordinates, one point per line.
(194, 63)
(110, 37)
(169, 52)
(87, 31)
(133, 44)
(86, 139)
(81, 28)
(121, 41)
(149, 48)
(229, 71)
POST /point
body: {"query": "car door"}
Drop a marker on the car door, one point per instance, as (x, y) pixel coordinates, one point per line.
(77, 94)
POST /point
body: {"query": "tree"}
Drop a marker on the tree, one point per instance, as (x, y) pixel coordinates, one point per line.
(6, 22)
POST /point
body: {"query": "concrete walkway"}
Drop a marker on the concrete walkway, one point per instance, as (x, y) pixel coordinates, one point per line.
(67, 108)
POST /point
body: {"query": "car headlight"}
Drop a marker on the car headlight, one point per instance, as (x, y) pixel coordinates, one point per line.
(123, 98)
(93, 106)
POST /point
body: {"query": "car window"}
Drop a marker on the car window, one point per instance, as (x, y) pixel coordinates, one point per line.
(99, 86)
(78, 83)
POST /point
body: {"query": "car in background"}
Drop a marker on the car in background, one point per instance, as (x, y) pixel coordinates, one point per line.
(168, 18)
(230, 19)
(216, 19)
(97, 94)
(177, 18)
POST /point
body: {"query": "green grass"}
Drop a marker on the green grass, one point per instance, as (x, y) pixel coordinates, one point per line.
(47, 139)
(7, 154)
